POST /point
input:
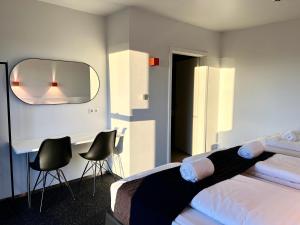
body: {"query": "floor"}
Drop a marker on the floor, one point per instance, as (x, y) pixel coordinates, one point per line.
(178, 156)
(59, 208)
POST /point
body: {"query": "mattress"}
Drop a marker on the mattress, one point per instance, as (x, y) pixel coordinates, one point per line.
(278, 145)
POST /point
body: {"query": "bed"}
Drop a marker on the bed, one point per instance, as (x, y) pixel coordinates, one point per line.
(277, 144)
(208, 208)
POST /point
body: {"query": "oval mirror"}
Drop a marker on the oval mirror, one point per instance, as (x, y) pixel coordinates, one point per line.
(44, 81)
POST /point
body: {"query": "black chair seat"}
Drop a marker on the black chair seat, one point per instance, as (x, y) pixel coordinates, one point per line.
(88, 156)
(36, 166)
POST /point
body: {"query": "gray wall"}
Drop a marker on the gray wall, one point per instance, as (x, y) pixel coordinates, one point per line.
(33, 29)
(267, 66)
(4, 153)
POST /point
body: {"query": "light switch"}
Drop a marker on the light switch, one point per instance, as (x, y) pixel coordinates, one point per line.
(146, 97)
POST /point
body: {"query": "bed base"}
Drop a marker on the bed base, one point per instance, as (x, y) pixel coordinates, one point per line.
(111, 220)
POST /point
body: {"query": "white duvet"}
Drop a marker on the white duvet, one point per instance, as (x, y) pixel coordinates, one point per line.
(279, 142)
(247, 201)
(281, 167)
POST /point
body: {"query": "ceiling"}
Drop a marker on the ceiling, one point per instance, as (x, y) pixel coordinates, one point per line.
(219, 15)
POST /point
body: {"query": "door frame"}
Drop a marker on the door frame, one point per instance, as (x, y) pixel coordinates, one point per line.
(179, 51)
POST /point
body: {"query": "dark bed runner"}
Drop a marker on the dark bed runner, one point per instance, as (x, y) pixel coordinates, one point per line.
(159, 198)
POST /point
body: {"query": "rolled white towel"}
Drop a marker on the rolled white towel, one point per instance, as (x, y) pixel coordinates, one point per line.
(290, 136)
(197, 170)
(251, 150)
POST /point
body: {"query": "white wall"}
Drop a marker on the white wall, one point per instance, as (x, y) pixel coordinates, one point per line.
(156, 35)
(34, 29)
(266, 61)
(149, 35)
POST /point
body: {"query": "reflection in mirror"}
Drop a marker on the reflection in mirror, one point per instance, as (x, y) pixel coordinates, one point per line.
(42, 81)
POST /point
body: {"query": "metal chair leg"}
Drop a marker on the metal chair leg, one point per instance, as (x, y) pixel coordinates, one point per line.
(101, 168)
(67, 183)
(84, 171)
(109, 168)
(59, 180)
(53, 177)
(95, 167)
(121, 166)
(44, 184)
(114, 161)
(99, 164)
(37, 182)
(28, 181)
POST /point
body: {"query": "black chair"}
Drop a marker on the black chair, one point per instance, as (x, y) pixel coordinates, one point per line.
(117, 153)
(52, 156)
(102, 147)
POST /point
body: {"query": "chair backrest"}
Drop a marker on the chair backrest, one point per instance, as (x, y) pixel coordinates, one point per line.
(119, 147)
(54, 153)
(103, 145)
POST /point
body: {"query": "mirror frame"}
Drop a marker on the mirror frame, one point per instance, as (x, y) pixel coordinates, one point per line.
(60, 60)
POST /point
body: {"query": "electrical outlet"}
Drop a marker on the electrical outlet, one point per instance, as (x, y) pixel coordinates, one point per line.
(93, 110)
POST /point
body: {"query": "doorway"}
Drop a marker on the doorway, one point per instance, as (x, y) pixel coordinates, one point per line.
(188, 107)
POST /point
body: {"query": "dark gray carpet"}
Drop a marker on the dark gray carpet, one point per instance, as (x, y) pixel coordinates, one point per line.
(59, 208)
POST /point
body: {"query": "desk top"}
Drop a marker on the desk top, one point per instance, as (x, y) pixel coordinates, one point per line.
(33, 145)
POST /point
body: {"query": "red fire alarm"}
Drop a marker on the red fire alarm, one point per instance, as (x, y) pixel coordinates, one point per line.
(16, 83)
(54, 84)
(153, 61)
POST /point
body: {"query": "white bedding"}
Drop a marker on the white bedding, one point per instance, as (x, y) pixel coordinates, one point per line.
(247, 201)
(282, 167)
(190, 216)
(272, 179)
(279, 142)
(284, 151)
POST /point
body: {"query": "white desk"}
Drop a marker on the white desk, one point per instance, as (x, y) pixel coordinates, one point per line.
(32, 145)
